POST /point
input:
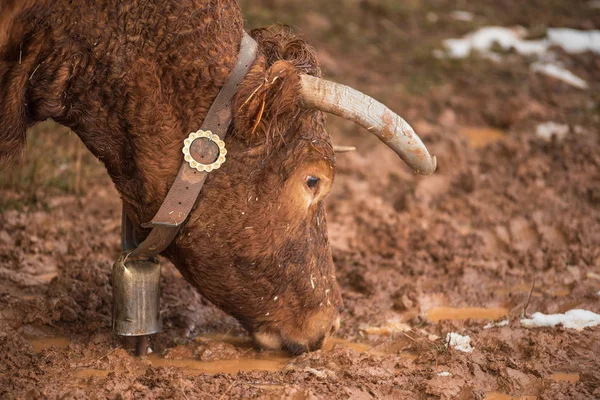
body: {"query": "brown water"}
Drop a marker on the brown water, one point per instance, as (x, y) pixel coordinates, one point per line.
(437, 314)
(251, 361)
(480, 137)
(565, 377)
(43, 343)
(243, 364)
(500, 396)
(268, 361)
(46, 278)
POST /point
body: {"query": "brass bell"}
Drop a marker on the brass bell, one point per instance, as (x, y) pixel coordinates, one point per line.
(136, 296)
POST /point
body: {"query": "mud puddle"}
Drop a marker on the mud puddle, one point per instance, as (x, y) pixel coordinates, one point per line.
(438, 314)
(501, 396)
(565, 377)
(250, 360)
(479, 137)
(42, 343)
(262, 361)
(253, 360)
(244, 364)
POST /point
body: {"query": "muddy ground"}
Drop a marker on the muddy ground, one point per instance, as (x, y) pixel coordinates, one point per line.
(509, 225)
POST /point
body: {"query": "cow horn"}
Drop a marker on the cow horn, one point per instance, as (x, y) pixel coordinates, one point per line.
(367, 112)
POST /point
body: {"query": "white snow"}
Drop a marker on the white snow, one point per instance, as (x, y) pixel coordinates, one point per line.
(444, 373)
(575, 41)
(560, 73)
(546, 130)
(482, 40)
(459, 342)
(573, 319)
(496, 324)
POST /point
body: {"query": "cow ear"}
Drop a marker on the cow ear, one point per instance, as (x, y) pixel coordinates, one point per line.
(13, 115)
(265, 103)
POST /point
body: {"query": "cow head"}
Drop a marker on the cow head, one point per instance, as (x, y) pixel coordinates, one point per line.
(256, 245)
(259, 233)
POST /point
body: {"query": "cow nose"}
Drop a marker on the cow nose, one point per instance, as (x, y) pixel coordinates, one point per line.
(312, 337)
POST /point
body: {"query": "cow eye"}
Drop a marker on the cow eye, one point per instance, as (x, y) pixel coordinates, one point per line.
(312, 182)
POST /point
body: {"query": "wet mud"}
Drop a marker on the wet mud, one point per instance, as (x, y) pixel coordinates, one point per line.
(509, 225)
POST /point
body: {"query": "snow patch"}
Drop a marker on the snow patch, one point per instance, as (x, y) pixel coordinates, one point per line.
(548, 129)
(496, 324)
(573, 319)
(482, 40)
(575, 41)
(558, 72)
(459, 342)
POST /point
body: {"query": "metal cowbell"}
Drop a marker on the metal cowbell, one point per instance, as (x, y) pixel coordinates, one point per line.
(136, 296)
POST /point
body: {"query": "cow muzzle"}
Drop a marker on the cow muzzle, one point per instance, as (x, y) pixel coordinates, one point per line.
(296, 340)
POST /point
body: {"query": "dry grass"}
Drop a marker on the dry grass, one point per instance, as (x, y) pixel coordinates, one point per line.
(55, 161)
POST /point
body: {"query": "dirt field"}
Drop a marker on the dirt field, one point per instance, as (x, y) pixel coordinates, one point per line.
(508, 226)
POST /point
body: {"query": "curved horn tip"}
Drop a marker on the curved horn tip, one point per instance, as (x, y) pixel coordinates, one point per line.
(367, 112)
(430, 169)
(433, 165)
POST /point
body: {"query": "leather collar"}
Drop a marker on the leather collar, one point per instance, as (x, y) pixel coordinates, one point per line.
(203, 151)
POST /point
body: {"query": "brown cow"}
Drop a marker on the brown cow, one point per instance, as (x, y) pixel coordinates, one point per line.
(133, 78)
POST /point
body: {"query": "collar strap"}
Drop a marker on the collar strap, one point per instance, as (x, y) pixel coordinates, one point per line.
(204, 151)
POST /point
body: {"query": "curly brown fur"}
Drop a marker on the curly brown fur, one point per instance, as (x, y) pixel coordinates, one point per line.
(273, 91)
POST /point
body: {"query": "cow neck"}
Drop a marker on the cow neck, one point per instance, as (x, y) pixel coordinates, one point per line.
(205, 144)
